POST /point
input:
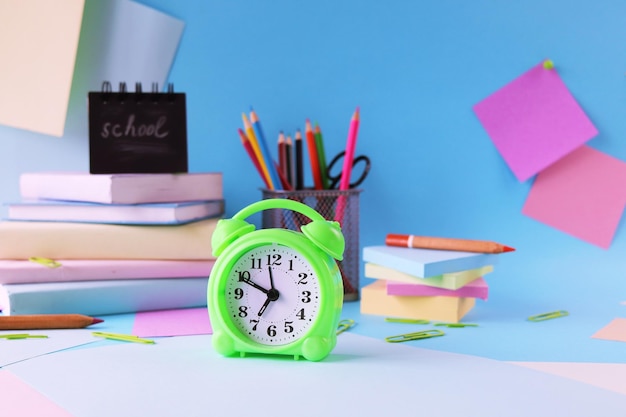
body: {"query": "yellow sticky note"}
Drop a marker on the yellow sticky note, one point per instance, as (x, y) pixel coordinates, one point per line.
(374, 300)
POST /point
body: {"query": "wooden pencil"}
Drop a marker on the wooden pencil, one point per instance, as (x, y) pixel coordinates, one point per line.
(313, 156)
(47, 321)
(442, 243)
(299, 168)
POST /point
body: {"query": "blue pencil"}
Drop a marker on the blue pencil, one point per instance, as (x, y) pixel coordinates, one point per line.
(258, 131)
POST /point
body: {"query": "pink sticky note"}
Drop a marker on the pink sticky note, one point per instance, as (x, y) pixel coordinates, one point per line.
(584, 194)
(20, 399)
(534, 121)
(615, 330)
(477, 288)
(188, 321)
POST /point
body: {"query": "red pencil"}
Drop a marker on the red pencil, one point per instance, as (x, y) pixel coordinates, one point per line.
(442, 243)
(248, 147)
(313, 155)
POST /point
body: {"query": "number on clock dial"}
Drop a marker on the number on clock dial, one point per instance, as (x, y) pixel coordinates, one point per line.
(279, 283)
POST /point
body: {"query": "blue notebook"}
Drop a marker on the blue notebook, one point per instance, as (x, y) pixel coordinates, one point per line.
(426, 263)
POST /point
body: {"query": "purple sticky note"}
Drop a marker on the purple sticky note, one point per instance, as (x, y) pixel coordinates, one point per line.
(534, 121)
(583, 194)
(188, 321)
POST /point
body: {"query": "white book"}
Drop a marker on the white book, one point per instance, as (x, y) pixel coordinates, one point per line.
(147, 213)
(95, 298)
(122, 188)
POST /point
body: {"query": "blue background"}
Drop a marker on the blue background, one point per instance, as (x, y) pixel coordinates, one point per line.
(415, 69)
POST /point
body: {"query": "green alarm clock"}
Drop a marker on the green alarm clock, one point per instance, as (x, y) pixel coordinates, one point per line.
(276, 291)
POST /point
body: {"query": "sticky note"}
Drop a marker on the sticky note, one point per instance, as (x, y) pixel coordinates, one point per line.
(534, 121)
(426, 263)
(38, 45)
(374, 300)
(584, 195)
(615, 330)
(181, 322)
(478, 288)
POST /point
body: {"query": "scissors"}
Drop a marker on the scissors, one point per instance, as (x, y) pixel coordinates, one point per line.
(335, 179)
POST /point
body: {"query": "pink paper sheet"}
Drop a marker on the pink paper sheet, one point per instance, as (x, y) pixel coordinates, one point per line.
(615, 330)
(475, 289)
(584, 194)
(20, 399)
(183, 322)
(534, 121)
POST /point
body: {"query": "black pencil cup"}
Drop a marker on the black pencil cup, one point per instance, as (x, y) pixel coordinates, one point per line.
(342, 206)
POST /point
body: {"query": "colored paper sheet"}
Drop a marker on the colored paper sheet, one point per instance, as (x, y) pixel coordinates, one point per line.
(380, 375)
(426, 263)
(583, 195)
(451, 281)
(478, 288)
(183, 322)
(609, 376)
(12, 351)
(534, 121)
(38, 44)
(20, 399)
(615, 330)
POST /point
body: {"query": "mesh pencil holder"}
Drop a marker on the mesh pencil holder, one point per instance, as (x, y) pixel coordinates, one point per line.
(342, 206)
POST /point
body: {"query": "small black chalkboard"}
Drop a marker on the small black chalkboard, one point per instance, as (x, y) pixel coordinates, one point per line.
(138, 132)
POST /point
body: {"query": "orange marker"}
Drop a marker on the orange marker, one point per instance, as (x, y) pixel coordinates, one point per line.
(441, 243)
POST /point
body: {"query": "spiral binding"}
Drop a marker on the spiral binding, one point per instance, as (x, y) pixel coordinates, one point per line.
(138, 95)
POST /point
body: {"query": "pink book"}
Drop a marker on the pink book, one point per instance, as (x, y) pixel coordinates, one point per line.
(475, 289)
(25, 271)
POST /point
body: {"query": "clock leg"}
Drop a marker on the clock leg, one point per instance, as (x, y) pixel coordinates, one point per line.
(223, 344)
(316, 348)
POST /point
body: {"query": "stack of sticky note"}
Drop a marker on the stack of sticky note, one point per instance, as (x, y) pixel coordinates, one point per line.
(428, 284)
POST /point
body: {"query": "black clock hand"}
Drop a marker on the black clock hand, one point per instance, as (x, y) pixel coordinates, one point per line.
(271, 278)
(272, 294)
(255, 285)
(264, 306)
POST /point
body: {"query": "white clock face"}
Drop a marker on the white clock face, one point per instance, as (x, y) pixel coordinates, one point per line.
(272, 295)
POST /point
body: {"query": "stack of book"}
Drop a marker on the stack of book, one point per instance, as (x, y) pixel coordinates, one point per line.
(100, 244)
(429, 284)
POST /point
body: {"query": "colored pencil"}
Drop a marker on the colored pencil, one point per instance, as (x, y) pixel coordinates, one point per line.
(441, 243)
(257, 150)
(283, 179)
(289, 161)
(271, 168)
(346, 171)
(47, 321)
(344, 184)
(321, 155)
(313, 155)
(282, 156)
(245, 141)
(299, 166)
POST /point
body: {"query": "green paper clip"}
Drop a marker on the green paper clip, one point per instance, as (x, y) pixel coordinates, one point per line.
(50, 263)
(410, 321)
(457, 324)
(548, 316)
(344, 325)
(17, 336)
(414, 336)
(123, 337)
